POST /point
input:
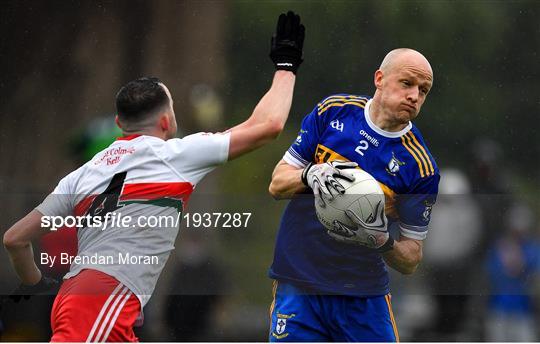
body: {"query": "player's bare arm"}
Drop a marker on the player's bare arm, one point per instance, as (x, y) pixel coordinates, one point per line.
(270, 114)
(405, 256)
(286, 181)
(18, 243)
(268, 118)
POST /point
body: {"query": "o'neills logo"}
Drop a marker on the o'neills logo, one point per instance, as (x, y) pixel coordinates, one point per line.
(113, 155)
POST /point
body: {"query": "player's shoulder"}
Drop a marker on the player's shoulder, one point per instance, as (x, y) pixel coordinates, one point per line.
(334, 104)
(198, 141)
(421, 163)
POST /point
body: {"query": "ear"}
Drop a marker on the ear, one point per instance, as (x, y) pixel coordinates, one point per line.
(164, 122)
(378, 79)
(117, 121)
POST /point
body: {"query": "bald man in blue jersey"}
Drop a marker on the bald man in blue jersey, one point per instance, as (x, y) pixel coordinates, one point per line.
(333, 285)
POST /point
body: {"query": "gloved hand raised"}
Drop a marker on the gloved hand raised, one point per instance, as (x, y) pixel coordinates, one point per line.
(288, 42)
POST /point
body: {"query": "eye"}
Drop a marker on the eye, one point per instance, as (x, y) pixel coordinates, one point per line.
(406, 82)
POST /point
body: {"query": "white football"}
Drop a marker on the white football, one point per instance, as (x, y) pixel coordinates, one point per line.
(363, 196)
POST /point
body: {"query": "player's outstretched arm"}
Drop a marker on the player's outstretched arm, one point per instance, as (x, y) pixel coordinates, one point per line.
(18, 243)
(268, 118)
(270, 114)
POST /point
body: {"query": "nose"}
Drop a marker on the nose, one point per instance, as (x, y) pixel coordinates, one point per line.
(413, 94)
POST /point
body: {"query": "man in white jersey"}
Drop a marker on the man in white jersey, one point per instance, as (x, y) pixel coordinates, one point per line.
(145, 173)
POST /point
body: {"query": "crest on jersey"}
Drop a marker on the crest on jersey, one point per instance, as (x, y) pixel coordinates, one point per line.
(298, 140)
(393, 165)
(281, 325)
(427, 211)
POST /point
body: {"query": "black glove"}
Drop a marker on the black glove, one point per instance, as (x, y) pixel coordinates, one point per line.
(44, 285)
(287, 42)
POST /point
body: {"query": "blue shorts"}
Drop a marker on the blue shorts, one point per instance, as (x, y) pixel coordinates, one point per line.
(297, 316)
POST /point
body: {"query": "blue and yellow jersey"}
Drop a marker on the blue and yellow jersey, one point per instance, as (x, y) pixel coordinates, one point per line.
(340, 128)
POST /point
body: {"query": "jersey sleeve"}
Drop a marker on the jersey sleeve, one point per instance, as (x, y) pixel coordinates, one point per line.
(62, 200)
(414, 208)
(302, 151)
(196, 155)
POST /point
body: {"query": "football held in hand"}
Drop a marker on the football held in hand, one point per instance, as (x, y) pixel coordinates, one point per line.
(363, 196)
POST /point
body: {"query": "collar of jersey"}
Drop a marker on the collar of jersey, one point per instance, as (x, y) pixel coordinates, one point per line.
(128, 138)
(378, 130)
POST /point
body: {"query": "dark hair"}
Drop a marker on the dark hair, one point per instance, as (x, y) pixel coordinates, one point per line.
(139, 98)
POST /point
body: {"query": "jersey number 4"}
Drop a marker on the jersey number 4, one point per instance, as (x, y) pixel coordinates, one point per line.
(107, 201)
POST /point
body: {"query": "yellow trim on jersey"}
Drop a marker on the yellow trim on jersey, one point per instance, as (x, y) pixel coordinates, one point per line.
(421, 153)
(324, 154)
(340, 98)
(273, 304)
(340, 101)
(333, 101)
(388, 299)
(425, 154)
(390, 201)
(340, 104)
(404, 140)
(417, 150)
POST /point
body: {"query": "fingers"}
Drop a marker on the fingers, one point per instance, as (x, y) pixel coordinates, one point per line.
(344, 164)
(289, 24)
(335, 186)
(321, 201)
(343, 239)
(289, 27)
(335, 236)
(324, 188)
(345, 175)
(338, 228)
(295, 23)
(318, 193)
(280, 27)
(301, 36)
(341, 229)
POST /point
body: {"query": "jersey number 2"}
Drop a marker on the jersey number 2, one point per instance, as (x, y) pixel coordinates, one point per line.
(363, 145)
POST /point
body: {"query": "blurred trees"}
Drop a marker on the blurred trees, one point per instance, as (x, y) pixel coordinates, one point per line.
(63, 62)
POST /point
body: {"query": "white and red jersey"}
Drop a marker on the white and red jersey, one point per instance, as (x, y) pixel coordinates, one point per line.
(150, 177)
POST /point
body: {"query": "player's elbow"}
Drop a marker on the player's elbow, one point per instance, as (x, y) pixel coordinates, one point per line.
(274, 128)
(274, 191)
(278, 189)
(11, 239)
